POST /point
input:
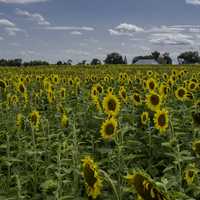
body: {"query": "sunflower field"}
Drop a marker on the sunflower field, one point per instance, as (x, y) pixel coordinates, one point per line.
(104, 133)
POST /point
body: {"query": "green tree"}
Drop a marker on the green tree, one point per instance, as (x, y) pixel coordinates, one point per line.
(95, 61)
(189, 57)
(114, 58)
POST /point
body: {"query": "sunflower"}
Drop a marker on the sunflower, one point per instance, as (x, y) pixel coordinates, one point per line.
(14, 100)
(35, 119)
(165, 76)
(196, 146)
(70, 81)
(91, 176)
(136, 99)
(99, 88)
(149, 73)
(161, 120)
(108, 128)
(190, 174)
(153, 101)
(111, 104)
(62, 93)
(64, 121)
(50, 96)
(122, 94)
(144, 118)
(96, 102)
(192, 86)
(110, 90)
(21, 88)
(94, 91)
(55, 79)
(2, 84)
(151, 84)
(180, 93)
(145, 186)
(163, 90)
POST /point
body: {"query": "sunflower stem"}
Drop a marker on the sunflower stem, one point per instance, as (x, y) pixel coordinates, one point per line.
(109, 180)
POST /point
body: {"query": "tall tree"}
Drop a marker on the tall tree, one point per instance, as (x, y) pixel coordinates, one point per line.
(189, 57)
(95, 61)
(125, 60)
(114, 58)
(155, 55)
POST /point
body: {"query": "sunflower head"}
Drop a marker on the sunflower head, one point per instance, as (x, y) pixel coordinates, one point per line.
(161, 120)
(94, 91)
(192, 86)
(144, 118)
(14, 100)
(196, 146)
(110, 90)
(35, 119)
(91, 176)
(122, 94)
(2, 84)
(151, 84)
(180, 93)
(136, 99)
(99, 88)
(62, 93)
(153, 101)
(111, 104)
(163, 90)
(108, 128)
(145, 186)
(190, 173)
(21, 88)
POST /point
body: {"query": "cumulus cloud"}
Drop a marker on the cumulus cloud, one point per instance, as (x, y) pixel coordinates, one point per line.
(38, 18)
(125, 29)
(171, 39)
(193, 2)
(21, 1)
(68, 28)
(5, 22)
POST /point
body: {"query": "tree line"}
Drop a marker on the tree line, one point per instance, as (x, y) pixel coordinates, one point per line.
(188, 57)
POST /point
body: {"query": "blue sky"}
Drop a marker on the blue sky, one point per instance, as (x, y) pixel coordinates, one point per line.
(83, 29)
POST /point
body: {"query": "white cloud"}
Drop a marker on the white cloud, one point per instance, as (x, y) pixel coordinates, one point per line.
(5, 22)
(194, 30)
(166, 29)
(76, 33)
(1, 38)
(125, 29)
(38, 18)
(21, 1)
(171, 39)
(68, 28)
(185, 26)
(77, 52)
(193, 2)
(13, 30)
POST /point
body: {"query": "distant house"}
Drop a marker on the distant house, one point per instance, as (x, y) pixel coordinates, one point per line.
(146, 62)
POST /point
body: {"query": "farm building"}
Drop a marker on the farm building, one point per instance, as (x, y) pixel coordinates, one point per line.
(147, 62)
